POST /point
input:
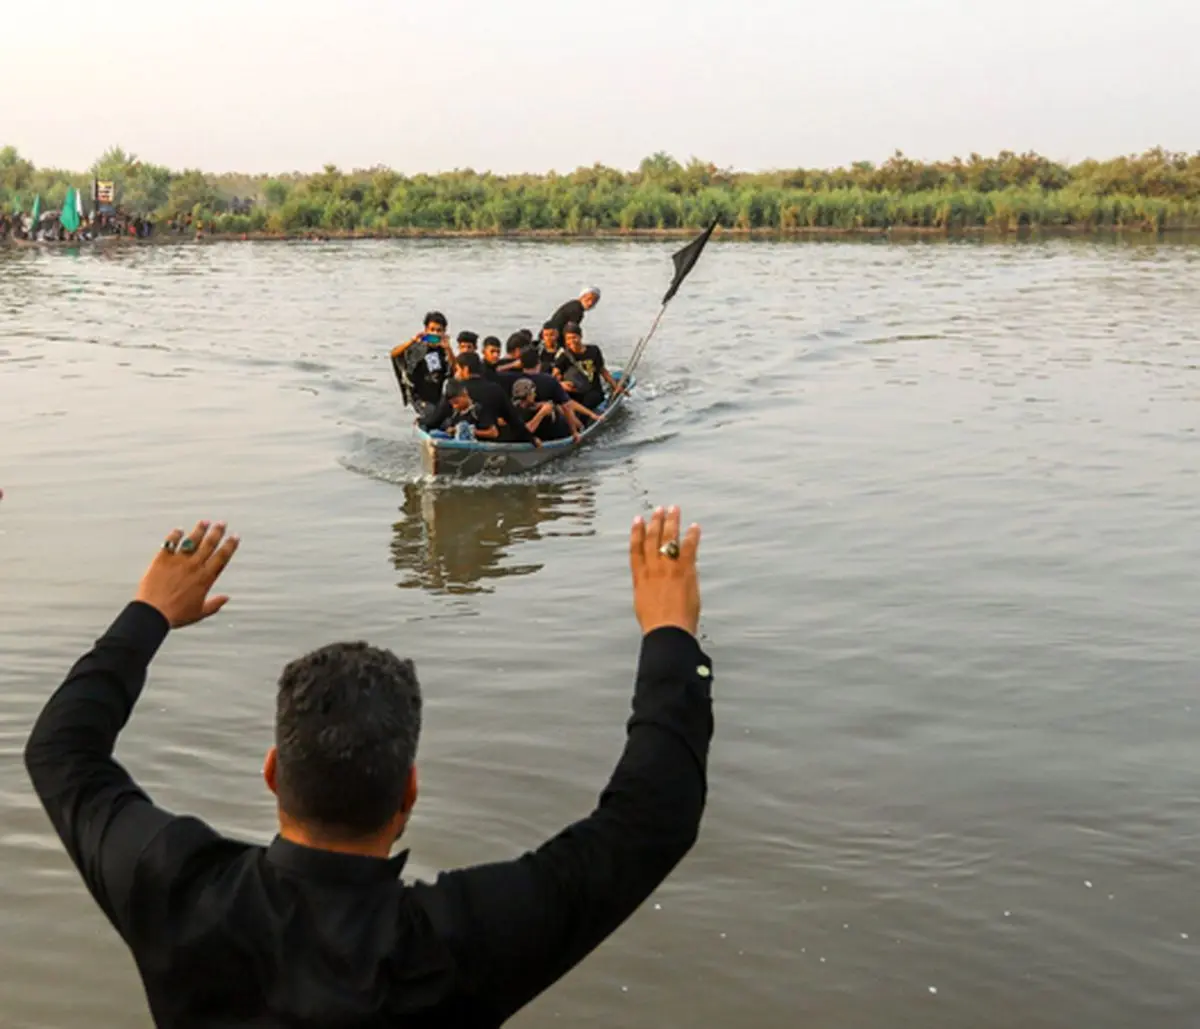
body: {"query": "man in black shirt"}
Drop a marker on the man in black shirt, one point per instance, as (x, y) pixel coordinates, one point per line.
(494, 368)
(549, 347)
(574, 310)
(582, 370)
(422, 364)
(543, 417)
(467, 342)
(316, 929)
(457, 412)
(548, 388)
(512, 352)
(492, 401)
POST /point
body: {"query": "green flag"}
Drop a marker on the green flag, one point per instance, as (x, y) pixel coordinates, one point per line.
(36, 213)
(69, 216)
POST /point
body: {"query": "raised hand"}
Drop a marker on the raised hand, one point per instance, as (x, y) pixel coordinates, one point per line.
(183, 571)
(666, 589)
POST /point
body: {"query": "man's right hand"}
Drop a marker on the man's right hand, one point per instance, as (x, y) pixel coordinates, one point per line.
(666, 591)
(184, 570)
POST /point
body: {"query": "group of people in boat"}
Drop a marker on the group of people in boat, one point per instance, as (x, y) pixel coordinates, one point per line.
(527, 390)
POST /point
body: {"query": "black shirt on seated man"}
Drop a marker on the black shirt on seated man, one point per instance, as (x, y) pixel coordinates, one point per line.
(551, 389)
(457, 408)
(494, 367)
(495, 407)
(512, 352)
(582, 369)
(549, 347)
(317, 929)
(543, 418)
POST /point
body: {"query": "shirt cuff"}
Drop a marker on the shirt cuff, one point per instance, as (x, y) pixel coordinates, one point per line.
(141, 625)
(673, 652)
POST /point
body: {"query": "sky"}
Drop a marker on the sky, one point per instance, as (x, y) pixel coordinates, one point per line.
(535, 85)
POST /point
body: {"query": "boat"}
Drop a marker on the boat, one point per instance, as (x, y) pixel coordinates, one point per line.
(456, 457)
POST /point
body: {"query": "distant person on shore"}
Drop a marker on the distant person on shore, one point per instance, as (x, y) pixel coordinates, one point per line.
(317, 928)
(423, 363)
(574, 310)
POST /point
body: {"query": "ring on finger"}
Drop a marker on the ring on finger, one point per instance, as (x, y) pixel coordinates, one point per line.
(670, 549)
(187, 546)
(169, 546)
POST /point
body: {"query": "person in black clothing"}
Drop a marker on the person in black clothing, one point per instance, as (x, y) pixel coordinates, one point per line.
(582, 370)
(494, 369)
(422, 365)
(548, 351)
(548, 388)
(456, 411)
(543, 418)
(512, 352)
(495, 407)
(573, 310)
(317, 929)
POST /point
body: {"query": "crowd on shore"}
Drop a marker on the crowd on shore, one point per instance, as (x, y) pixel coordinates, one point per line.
(95, 225)
(49, 228)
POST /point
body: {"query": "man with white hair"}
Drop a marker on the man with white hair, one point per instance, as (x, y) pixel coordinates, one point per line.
(573, 310)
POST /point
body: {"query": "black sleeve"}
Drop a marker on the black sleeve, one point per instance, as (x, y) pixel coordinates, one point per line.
(103, 818)
(518, 926)
(513, 419)
(436, 418)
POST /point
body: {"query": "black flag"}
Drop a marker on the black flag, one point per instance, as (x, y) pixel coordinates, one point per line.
(685, 260)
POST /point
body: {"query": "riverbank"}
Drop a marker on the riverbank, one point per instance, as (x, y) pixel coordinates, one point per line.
(895, 232)
(1157, 191)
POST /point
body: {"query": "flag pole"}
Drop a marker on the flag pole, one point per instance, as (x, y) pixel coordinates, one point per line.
(684, 261)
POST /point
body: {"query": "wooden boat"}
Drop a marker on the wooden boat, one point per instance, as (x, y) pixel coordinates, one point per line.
(477, 457)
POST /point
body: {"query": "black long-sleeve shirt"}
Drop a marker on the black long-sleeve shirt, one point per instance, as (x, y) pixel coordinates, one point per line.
(231, 934)
(571, 311)
(493, 404)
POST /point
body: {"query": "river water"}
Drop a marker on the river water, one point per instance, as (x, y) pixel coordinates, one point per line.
(950, 574)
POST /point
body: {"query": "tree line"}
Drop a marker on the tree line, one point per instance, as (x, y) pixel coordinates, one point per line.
(1155, 190)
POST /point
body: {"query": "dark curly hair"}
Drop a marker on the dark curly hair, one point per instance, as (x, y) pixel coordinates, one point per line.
(347, 721)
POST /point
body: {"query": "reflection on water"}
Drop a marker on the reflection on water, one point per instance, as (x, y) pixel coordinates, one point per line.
(456, 539)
